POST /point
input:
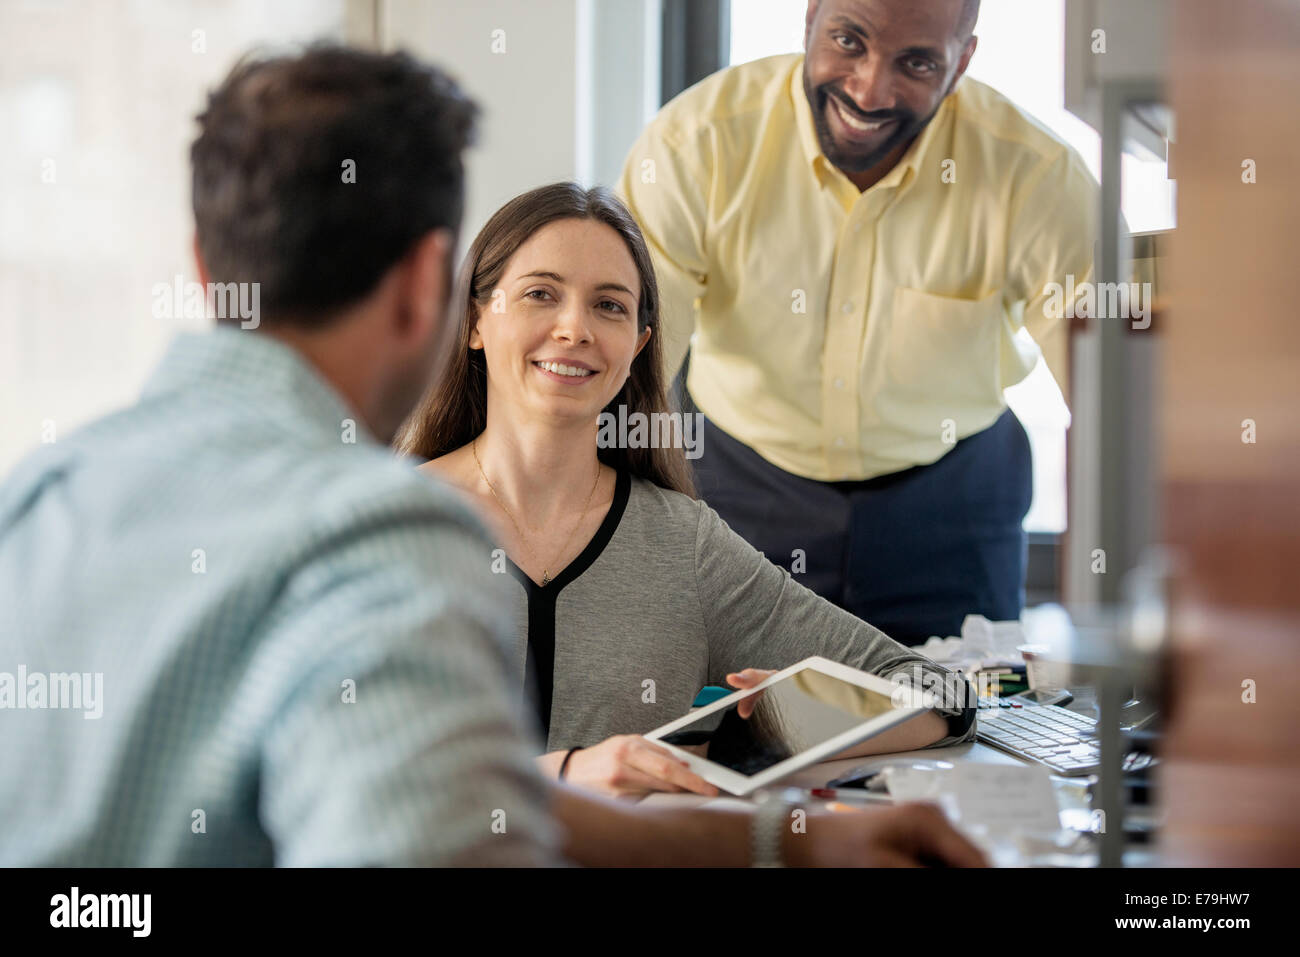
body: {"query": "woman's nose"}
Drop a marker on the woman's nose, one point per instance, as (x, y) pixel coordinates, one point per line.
(572, 325)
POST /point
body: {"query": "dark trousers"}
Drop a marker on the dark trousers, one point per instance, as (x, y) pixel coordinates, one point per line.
(912, 552)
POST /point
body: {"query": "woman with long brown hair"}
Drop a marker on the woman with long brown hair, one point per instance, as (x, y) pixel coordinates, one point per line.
(632, 594)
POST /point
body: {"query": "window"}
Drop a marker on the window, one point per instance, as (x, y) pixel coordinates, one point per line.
(97, 105)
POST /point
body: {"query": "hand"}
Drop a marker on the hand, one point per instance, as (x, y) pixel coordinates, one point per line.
(906, 835)
(628, 765)
(747, 679)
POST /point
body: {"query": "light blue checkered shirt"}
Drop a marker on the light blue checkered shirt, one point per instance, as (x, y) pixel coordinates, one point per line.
(300, 640)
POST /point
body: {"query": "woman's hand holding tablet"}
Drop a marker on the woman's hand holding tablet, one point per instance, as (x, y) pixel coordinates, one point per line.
(627, 765)
(743, 680)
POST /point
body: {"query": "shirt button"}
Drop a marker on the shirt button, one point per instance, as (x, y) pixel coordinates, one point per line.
(839, 441)
(857, 227)
(839, 383)
(847, 306)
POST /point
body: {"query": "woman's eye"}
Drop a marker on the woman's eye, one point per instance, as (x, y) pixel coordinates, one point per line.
(611, 304)
(539, 293)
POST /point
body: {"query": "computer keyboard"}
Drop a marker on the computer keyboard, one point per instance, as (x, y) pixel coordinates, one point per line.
(1063, 740)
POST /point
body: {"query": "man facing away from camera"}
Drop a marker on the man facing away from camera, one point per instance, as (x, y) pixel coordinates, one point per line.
(294, 639)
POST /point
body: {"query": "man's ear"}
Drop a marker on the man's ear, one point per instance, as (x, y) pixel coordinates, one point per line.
(964, 61)
(427, 284)
(199, 264)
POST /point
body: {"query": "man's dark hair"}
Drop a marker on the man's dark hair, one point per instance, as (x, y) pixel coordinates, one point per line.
(271, 200)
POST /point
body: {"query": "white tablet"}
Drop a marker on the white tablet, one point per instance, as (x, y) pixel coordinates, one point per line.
(804, 714)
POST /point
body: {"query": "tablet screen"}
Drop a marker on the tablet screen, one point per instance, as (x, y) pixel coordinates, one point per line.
(799, 712)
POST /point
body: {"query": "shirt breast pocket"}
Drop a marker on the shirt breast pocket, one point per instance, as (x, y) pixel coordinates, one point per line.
(945, 348)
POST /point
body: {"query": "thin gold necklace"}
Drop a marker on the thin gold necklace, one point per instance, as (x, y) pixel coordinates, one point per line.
(546, 575)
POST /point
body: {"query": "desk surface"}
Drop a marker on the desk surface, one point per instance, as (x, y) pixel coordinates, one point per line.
(817, 776)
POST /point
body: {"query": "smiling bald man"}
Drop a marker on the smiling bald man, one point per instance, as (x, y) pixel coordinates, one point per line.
(852, 242)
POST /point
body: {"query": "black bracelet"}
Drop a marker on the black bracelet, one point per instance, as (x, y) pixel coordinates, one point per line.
(565, 763)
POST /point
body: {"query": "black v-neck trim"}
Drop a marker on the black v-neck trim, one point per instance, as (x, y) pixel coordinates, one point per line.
(571, 571)
(539, 669)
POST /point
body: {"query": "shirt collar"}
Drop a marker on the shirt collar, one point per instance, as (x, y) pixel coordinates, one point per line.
(904, 171)
(254, 366)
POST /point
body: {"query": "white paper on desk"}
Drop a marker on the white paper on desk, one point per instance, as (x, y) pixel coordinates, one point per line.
(1001, 798)
(1005, 798)
(982, 644)
(908, 783)
(995, 640)
(942, 650)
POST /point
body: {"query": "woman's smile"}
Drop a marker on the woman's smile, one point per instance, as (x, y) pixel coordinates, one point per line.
(571, 374)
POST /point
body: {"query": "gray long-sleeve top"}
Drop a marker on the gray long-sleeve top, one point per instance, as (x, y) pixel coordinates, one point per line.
(665, 600)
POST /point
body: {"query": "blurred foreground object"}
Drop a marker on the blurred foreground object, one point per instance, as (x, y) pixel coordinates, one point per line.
(1230, 438)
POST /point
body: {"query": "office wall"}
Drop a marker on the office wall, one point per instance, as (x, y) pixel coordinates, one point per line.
(565, 85)
(619, 56)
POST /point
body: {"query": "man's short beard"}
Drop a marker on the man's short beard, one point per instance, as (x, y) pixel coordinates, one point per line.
(908, 127)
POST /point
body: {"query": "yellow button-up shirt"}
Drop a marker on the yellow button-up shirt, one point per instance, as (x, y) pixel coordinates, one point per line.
(845, 334)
